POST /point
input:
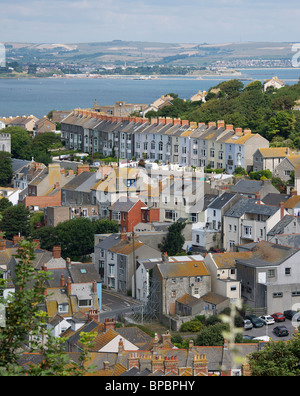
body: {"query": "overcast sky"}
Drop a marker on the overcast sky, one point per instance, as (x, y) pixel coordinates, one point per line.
(171, 21)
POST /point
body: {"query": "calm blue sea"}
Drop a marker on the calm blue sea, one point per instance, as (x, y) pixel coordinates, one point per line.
(39, 96)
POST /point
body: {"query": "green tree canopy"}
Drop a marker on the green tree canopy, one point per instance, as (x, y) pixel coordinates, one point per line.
(15, 220)
(173, 242)
(6, 172)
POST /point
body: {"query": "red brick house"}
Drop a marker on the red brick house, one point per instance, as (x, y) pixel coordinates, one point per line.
(128, 212)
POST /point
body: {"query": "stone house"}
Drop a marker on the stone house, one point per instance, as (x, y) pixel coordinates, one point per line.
(44, 125)
(285, 168)
(269, 158)
(176, 279)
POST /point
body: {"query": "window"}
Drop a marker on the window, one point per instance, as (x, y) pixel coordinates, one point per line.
(63, 308)
(288, 271)
(85, 303)
(295, 293)
(271, 273)
(173, 293)
(277, 295)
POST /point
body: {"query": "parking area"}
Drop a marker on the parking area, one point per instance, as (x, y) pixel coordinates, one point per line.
(267, 330)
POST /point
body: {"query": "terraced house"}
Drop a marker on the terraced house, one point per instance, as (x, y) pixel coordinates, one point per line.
(162, 139)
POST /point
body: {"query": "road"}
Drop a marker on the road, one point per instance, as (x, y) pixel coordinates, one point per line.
(267, 330)
(114, 304)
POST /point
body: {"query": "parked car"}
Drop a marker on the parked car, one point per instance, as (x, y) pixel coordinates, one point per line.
(247, 337)
(257, 322)
(281, 331)
(267, 319)
(290, 313)
(248, 324)
(278, 317)
(262, 338)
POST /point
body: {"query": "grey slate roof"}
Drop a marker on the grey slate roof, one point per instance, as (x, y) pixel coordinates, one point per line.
(248, 186)
(83, 182)
(280, 226)
(275, 199)
(123, 205)
(249, 205)
(222, 200)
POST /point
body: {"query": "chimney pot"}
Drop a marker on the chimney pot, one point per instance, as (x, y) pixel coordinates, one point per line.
(56, 252)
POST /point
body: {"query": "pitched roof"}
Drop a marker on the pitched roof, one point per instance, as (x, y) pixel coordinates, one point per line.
(184, 269)
(228, 259)
(250, 205)
(292, 202)
(274, 152)
(266, 254)
(124, 204)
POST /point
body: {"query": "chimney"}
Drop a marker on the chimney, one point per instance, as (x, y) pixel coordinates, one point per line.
(2, 244)
(157, 364)
(44, 267)
(155, 344)
(185, 122)
(171, 364)
(281, 209)
(120, 346)
(220, 124)
(16, 239)
(37, 242)
(56, 252)
(69, 287)
(93, 315)
(153, 121)
(246, 370)
(62, 281)
(165, 258)
(238, 131)
(133, 360)
(94, 287)
(166, 338)
(109, 324)
(161, 120)
(177, 121)
(82, 168)
(200, 365)
(229, 127)
(106, 365)
(257, 196)
(169, 120)
(246, 131)
(68, 263)
(211, 124)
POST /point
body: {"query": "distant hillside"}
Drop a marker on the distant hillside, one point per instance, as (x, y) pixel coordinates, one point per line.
(118, 52)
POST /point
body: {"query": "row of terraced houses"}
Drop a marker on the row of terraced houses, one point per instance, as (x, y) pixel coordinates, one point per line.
(165, 140)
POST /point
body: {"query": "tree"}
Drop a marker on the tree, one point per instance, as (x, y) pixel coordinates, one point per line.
(4, 204)
(281, 124)
(15, 220)
(277, 359)
(24, 317)
(6, 172)
(21, 142)
(173, 242)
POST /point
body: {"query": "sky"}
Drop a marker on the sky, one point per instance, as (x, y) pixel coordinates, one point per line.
(169, 21)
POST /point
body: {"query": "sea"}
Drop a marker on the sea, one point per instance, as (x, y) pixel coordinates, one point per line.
(38, 96)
